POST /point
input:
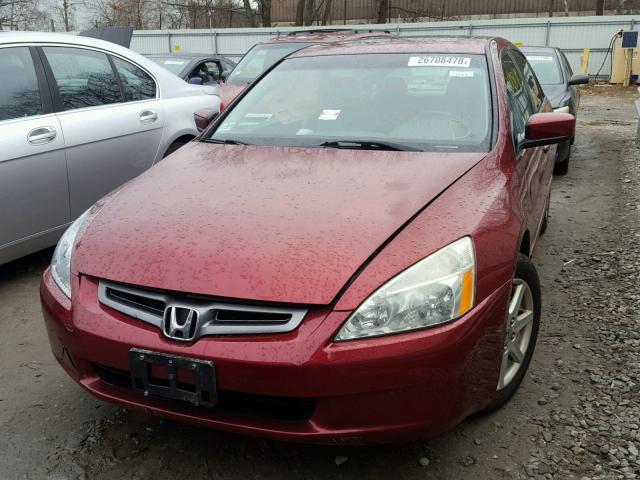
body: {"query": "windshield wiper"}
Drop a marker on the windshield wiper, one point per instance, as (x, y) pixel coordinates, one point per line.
(369, 145)
(227, 141)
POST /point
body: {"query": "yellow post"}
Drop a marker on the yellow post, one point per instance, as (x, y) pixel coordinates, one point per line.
(584, 63)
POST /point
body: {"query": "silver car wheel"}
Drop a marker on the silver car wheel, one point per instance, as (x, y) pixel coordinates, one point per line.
(520, 315)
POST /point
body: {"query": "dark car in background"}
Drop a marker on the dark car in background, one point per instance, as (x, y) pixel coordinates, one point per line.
(195, 68)
(264, 55)
(560, 85)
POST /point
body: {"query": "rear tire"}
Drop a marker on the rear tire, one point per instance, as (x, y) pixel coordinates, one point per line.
(523, 323)
(561, 168)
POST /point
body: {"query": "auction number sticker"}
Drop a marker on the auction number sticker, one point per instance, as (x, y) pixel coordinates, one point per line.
(439, 61)
(539, 58)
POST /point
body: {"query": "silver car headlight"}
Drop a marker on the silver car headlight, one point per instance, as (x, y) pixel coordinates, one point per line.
(436, 290)
(61, 261)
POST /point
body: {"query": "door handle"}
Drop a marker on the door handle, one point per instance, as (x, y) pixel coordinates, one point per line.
(148, 116)
(41, 135)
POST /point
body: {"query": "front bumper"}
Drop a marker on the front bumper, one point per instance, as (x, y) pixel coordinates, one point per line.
(384, 389)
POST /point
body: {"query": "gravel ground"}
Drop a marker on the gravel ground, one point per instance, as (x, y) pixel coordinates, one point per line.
(577, 414)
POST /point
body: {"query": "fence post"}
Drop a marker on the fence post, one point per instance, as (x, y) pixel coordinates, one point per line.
(169, 39)
(547, 33)
(471, 29)
(215, 42)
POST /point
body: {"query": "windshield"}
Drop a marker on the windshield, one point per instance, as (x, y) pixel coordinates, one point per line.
(259, 59)
(173, 64)
(397, 101)
(546, 66)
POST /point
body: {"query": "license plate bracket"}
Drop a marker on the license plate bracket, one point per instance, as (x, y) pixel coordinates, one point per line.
(201, 393)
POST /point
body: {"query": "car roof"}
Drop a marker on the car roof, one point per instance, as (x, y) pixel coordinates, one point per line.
(538, 49)
(184, 55)
(44, 37)
(327, 35)
(435, 44)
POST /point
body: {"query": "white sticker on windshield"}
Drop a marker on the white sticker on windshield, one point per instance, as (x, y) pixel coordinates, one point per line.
(539, 58)
(174, 62)
(265, 116)
(329, 114)
(439, 61)
(461, 73)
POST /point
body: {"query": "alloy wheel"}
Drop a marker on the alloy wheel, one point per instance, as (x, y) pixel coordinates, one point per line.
(520, 316)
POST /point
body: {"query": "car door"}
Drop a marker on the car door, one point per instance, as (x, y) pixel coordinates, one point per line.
(533, 167)
(111, 117)
(34, 201)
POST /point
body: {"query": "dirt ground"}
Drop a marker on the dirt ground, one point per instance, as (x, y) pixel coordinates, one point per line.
(577, 414)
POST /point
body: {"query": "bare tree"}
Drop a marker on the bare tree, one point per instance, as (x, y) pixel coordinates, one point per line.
(249, 11)
(300, 12)
(383, 11)
(309, 12)
(326, 17)
(23, 15)
(600, 7)
(265, 12)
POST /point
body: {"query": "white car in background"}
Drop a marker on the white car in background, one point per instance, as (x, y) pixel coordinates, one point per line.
(78, 118)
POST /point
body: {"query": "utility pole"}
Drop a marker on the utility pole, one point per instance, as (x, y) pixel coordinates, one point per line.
(600, 7)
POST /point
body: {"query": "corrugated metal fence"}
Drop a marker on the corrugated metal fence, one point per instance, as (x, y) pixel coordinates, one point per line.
(571, 34)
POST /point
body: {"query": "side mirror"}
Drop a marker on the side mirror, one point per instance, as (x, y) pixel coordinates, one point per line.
(224, 75)
(204, 117)
(548, 128)
(579, 79)
(195, 81)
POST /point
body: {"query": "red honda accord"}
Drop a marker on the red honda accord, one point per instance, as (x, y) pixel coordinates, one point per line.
(342, 256)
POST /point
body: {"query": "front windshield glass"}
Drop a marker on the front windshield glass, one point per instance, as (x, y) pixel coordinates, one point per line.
(406, 101)
(173, 64)
(546, 67)
(259, 59)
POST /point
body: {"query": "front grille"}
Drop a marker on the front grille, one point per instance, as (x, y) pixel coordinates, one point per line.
(213, 317)
(277, 408)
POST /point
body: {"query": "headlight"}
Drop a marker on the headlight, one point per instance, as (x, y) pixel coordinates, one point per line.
(564, 109)
(435, 290)
(61, 261)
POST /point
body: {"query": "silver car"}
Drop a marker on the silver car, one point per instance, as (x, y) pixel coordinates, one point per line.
(78, 118)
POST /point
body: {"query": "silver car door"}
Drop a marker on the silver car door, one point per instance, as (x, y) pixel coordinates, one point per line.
(34, 201)
(112, 124)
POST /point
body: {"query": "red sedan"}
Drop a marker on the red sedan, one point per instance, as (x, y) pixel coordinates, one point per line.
(342, 256)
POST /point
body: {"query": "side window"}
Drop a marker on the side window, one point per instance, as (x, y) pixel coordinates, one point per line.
(518, 98)
(533, 87)
(84, 77)
(136, 84)
(19, 94)
(567, 65)
(207, 71)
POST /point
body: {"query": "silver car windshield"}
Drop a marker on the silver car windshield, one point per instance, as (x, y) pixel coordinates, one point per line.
(259, 59)
(173, 64)
(391, 101)
(546, 67)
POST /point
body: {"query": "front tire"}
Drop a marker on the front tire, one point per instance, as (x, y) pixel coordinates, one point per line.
(522, 325)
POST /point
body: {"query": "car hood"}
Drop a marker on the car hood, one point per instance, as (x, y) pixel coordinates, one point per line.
(269, 224)
(555, 93)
